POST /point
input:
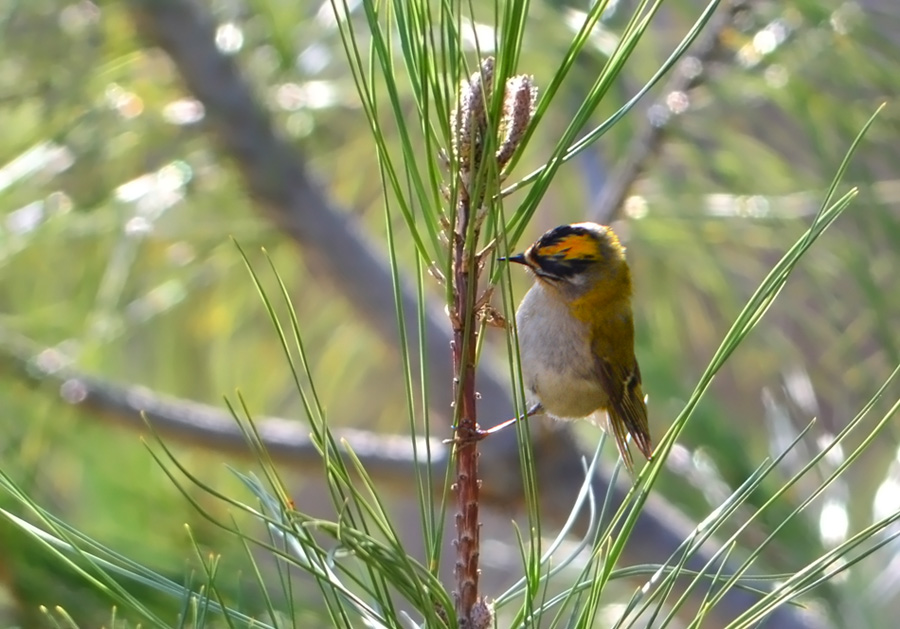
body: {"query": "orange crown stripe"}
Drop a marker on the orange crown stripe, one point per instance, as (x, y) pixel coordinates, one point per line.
(572, 247)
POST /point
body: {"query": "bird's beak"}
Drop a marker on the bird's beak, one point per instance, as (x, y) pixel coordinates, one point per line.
(518, 258)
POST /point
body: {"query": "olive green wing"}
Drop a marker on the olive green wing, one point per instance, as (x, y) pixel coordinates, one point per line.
(626, 408)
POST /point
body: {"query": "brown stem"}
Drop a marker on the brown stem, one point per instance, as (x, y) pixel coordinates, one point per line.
(467, 483)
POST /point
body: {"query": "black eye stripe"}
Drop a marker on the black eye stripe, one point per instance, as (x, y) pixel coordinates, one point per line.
(563, 269)
(547, 276)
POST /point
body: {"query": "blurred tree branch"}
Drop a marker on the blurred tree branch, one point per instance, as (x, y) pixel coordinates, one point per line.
(690, 72)
(389, 458)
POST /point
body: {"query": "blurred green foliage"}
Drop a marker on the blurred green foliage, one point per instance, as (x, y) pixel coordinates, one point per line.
(116, 209)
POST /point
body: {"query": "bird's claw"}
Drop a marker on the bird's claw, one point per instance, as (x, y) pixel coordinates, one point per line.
(466, 435)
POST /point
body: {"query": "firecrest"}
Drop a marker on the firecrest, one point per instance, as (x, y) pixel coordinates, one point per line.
(576, 334)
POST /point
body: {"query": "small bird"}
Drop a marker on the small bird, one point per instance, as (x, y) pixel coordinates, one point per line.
(576, 334)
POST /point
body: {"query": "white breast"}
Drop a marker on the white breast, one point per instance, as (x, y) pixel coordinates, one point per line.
(557, 363)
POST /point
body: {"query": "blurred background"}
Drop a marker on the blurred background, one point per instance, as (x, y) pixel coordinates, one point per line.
(128, 161)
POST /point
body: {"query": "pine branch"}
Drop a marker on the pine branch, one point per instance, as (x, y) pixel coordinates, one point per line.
(467, 486)
(389, 459)
(276, 176)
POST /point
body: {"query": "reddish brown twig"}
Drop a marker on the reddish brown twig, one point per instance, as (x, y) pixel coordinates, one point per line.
(469, 123)
(467, 483)
(472, 150)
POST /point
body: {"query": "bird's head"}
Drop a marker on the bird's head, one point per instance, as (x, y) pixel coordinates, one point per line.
(573, 258)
